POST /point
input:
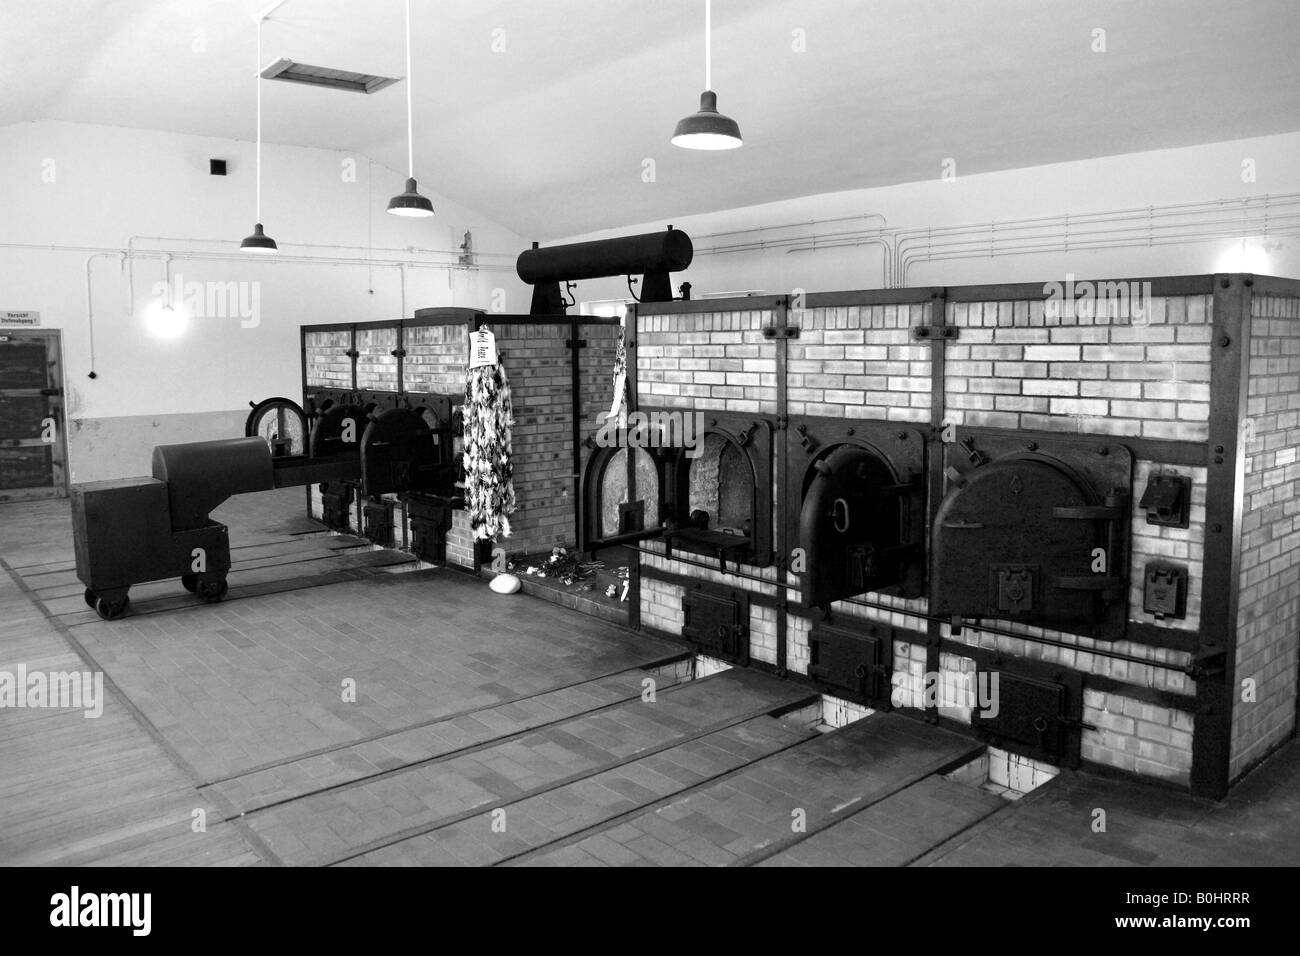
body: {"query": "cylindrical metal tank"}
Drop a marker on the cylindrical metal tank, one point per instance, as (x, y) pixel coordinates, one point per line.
(667, 251)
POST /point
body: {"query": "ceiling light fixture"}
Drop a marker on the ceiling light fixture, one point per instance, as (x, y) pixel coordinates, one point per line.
(708, 129)
(259, 242)
(410, 202)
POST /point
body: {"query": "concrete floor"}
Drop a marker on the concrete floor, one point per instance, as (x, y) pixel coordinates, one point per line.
(493, 730)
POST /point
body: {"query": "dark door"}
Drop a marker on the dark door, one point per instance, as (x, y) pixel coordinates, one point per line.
(1015, 542)
(853, 526)
(32, 448)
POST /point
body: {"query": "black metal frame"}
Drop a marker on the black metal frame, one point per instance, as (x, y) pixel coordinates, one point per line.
(901, 446)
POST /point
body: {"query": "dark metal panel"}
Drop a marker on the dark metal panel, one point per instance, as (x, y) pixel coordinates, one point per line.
(1229, 355)
(1014, 536)
(716, 619)
(1159, 450)
(782, 322)
(1149, 635)
(854, 661)
(934, 473)
(1039, 709)
(915, 295)
(1160, 286)
(1272, 285)
(744, 303)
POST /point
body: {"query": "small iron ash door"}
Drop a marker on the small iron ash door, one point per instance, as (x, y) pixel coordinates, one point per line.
(1030, 709)
(855, 664)
(858, 514)
(717, 621)
(1035, 536)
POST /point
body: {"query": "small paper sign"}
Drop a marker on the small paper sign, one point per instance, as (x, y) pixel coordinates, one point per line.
(482, 349)
(20, 318)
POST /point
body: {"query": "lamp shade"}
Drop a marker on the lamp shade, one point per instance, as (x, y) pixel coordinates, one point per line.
(707, 129)
(259, 242)
(410, 202)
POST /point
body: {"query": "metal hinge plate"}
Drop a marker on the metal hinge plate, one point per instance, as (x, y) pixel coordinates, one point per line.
(928, 333)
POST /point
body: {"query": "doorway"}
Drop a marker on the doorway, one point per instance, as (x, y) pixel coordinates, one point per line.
(33, 450)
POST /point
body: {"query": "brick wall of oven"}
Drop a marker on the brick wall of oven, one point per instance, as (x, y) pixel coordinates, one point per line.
(1016, 363)
(537, 357)
(707, 360)
(860, 362)
(1268, 615)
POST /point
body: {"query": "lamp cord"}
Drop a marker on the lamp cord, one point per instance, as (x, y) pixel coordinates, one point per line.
(708, 45)
(410, 135)
(258, 75)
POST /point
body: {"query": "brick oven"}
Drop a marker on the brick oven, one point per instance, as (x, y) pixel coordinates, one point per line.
(1080, 495)
(560, 370)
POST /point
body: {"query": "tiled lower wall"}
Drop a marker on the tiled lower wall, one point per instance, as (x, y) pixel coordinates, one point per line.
(1130, 734)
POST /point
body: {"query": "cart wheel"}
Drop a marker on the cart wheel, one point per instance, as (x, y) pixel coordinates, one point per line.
(91, 598)
(190, 582)
(111, 610)
(212, 590)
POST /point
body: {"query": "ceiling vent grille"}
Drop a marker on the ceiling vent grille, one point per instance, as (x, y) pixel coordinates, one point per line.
(292, 72)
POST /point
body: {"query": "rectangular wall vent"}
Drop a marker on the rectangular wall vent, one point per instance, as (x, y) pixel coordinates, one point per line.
(292, 72)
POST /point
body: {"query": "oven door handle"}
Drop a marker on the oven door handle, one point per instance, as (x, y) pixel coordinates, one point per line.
(957, 524)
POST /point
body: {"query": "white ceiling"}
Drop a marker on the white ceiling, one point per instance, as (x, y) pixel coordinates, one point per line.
(549, 136)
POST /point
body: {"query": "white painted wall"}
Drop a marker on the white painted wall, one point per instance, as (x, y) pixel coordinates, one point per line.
(71, 185)
(1159, 178)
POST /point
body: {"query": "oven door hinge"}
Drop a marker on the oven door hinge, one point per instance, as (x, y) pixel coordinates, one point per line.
(781, 332)
(928, 333)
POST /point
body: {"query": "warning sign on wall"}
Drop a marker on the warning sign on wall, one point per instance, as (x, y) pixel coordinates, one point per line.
(20, 318)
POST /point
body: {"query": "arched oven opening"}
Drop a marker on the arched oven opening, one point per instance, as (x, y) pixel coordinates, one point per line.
(621, 499)
(718, 493)
(857, 516)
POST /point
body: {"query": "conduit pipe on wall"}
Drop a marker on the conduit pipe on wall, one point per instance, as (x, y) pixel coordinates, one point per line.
(1248, 216)
(90, 302)
(1161, 226)
(1289, 225)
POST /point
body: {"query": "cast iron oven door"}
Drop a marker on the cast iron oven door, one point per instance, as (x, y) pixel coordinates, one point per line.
(400, 451)
(1035, 710)
(859, 509)
(853, 661)
(716, 620)
(1032, 537)
(719, 502)
(337, 429)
